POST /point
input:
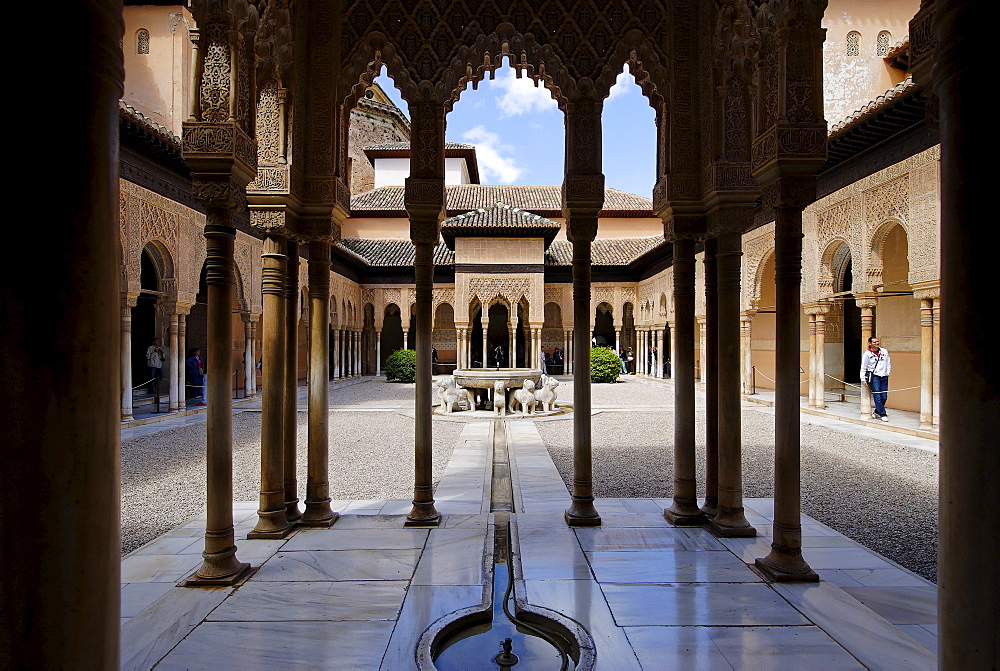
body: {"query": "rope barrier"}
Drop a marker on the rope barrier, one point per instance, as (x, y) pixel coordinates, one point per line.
(767, 378)
(143, 384)
(858, 386)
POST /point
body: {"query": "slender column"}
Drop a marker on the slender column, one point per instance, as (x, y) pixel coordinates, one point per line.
(341, 359)
(290, 422)
(937, 360)
(127, 303)
(406, 338)
(618, 340)
(926, 363)
(821, 358)
(968, 584)
(731, 520)
(423, 512)
(378, 352)
(253, 349)
(867, 330)
(710, 377)
(272, 522)
(684, 510)
(357, 352)
(486, 354)
(702, 354)
(220, 565)
(582, 511)
(640, 352)
(812, 359)
(248, 361)
(785, 561)
(318, 512)
(172, 361)
(664, 355)
(182, 361)
(746, 351)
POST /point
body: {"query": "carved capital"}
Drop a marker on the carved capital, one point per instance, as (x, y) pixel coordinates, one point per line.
(729, 219)
(684, 226)
(273, 220)
(582, 192)
(425, 229)
(580, 225)
(317, 228)
(214, 146)
(816, 308)
(220, 191)
(789, 148)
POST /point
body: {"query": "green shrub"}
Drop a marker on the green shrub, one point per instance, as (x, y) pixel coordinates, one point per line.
(401, 365)
(604, 365)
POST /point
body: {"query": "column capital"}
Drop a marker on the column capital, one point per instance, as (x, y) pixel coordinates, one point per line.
(678, 225)
(816, 308)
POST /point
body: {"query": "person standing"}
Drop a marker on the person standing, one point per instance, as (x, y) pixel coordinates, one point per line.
(875, 369)
(543, 360)
(154, 360)
(196, 374)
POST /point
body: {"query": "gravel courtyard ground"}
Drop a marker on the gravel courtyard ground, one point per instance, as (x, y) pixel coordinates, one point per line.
(878, 493)
(371, 457)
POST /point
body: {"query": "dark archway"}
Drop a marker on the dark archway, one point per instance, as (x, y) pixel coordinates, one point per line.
(368, 342)
(498, 336)
(392, 331)
(604, 327)
(144, 317)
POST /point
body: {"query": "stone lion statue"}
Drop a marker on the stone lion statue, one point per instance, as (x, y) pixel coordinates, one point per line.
(546, 395)
(525, 397)
(499, 398)
(450, 393)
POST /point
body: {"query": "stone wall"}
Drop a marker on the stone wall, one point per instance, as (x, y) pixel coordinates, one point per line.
(369, 125)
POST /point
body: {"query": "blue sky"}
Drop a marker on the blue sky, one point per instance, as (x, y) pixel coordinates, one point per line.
(518, 132)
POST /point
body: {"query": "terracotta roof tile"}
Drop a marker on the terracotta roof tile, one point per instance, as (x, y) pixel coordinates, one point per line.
(545, 200)
(603, 252)
(391, 253)
(406, 145)
(873, 106)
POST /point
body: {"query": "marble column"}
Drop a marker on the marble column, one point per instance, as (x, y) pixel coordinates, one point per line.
(127, 303)
(248, 356)
(785, 561)
(684, 511)
(867, 306)
(172, 332)
(746, 351)
(968, 584)
(821, 357)
(702, 354)
(318, 512)
(182, 361)
(61, 543)
(289, 427)
(731, 519)
(357, 352)
(710, 377)
(253, 343)
(937, 360)
(378, 352)
(271, 519)
(406, 338)
(661, 354)
(512, 349)
(486, 354)
(812, 358)
(220, 565)
(423, 512)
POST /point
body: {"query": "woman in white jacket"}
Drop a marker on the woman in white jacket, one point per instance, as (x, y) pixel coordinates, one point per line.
(875, 369)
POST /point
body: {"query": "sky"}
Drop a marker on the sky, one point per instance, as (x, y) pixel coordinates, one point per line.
(519, 134)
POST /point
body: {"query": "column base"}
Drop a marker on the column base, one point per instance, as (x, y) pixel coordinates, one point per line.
(220, 569)
(127, 418)
(731, 523)
(271, 525)
(711, 507)
(292, 512)
(423, 514)
(684, 514)
(318, 515)
(582, 513)
(785, 565)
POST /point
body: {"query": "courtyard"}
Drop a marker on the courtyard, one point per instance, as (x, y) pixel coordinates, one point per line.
(369, 588)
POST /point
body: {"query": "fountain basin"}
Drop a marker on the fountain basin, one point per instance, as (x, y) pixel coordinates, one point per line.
(484, 378)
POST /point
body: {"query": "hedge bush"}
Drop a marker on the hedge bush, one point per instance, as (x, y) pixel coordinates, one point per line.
(604, 365)
(401, 365)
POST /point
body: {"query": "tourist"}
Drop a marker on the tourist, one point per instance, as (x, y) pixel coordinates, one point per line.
(558, 361)
(630, 358)
(154, 360)
(621, 357)
(875, 369)
(434, 361)
(196, 375)
(543, 360)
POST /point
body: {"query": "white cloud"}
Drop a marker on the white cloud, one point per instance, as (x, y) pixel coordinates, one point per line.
(624, 85)
(520, 96)
(495, 167)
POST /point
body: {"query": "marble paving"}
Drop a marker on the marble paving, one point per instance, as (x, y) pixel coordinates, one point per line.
(360, 594)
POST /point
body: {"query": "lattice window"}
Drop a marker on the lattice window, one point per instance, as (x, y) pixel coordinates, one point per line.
(142, 41)
(854, 43)
(884, 40)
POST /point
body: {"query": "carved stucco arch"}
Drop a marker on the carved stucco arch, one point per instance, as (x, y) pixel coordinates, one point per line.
(826, 276)
(758, 277)
(334, 312)
(163, 260)
(650, 72)
(664, 308)
(876, 251)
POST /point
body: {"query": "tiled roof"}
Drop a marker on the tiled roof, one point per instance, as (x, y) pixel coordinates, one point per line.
(543, 200)
(391, 253)
(603, 252)
(873, 107)
(389, 146)
(498, 220)
(126, 110)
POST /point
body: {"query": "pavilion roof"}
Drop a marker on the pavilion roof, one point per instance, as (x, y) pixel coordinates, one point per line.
(498, 220)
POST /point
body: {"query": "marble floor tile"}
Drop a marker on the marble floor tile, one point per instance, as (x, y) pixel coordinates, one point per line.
(137, 596)
(452, 557)
(423, 606)
(356, 539)
(460, 521)
(647, 566)
(920, 634)
(396, 507)
(631, 539)
(290, 601)
(366, 521)
(148, 636)
(285, 645)
(364, 507)
(551, 554)
(583, 601)
(864, 633)
(899, 605)
(171, 545)
(339, 565)
(885, 577)
(642, 506)
(843, 558)
(699, 604)
(158, 568)
(689, 648)
(781, 648)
